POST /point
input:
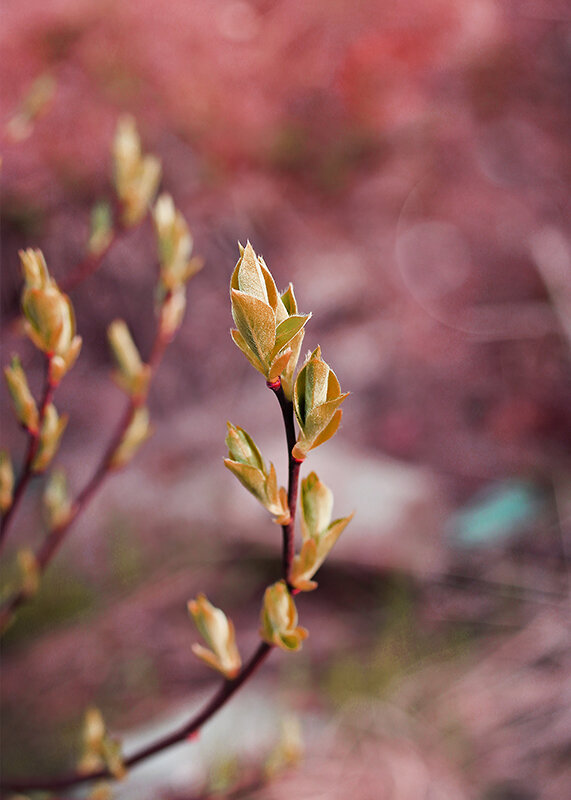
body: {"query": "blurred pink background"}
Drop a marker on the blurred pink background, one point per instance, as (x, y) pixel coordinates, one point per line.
(407, 166)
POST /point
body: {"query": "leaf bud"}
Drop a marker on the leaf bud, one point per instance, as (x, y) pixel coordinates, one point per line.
(48, 312)
(318, 532)
(317, 397)
(289, 749)
(56, 502)
(279, 619)
(218, 632)
(51, 432)
(174, 245)
(100, 749)
(22, 400)
(136, 176)
(6, 481)
(137, 432)
(246, 463)
(264, 328)
(132, 375)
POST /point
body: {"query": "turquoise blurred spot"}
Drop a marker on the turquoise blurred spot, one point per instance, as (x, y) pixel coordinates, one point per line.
(496, 514)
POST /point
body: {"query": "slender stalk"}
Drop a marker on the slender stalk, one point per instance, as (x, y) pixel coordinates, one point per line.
(288, 531)
(224, 693)
(55, 538)
(33, 445)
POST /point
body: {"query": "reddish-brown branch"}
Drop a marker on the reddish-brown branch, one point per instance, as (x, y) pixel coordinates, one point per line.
(55, 538)
(33, 445)
(288, 531)
(224, 693)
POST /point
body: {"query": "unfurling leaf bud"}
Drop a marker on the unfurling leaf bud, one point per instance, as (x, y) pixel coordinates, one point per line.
(22, 400)
(29, 571)
(6, 481)
(138, 431)
(50, 320)
(131, 375)
(319, 533)
(51, 432)
(56, 502)
(317, 397)
(174, 245)
(279, 619)
(100, 749)
(289, 749)
(136, 176)
(265, 328)
(218, 632)
(247, 464)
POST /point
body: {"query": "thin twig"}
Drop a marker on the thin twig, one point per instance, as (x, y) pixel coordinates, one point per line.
(33, 445)
(224, 693)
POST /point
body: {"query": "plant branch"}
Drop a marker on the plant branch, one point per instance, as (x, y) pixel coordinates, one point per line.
(33, 445)
(288, 540)
(224, 693)
(53, 541)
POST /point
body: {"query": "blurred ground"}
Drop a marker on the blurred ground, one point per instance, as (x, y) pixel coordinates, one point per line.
(407, 167)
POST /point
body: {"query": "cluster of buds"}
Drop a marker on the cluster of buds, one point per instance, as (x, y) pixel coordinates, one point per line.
(136, 175)
(99, 748)
(218, 632)
(176, 263)
(319, 533)
(269, 330)
(247, 464)
(50, 324)
(49, 316)
(278, 627)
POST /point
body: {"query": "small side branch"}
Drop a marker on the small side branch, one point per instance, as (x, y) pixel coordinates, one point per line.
(224, 693)
(55, 538)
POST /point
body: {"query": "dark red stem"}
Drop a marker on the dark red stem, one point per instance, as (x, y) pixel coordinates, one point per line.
(288, 531)
(224, 693)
